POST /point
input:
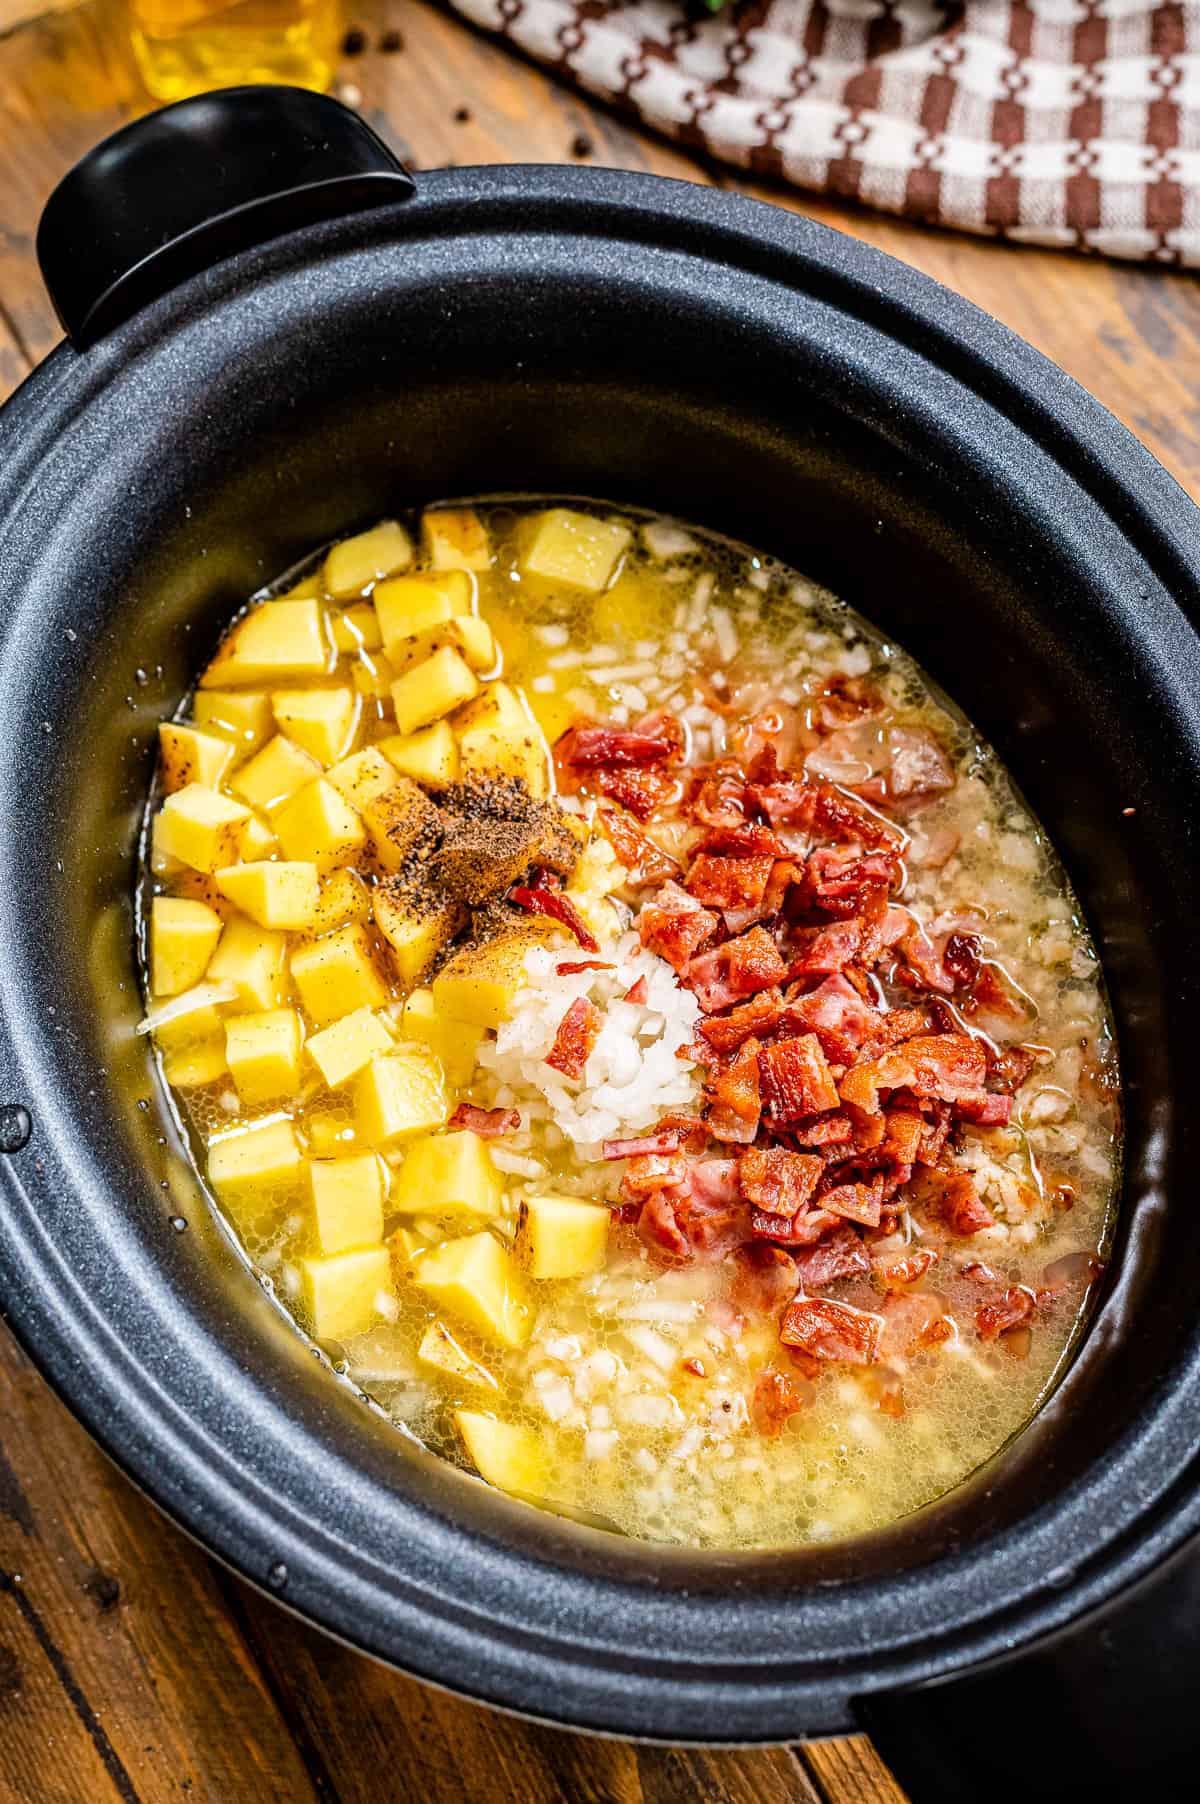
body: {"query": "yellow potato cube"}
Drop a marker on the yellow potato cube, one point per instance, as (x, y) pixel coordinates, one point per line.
(439, 1349)
(342, 1294)
(471, 637)
(498, 737)
(448, 1174)
(274, 774)
(397, 821)
(351, 566)
(186, 755)
(183, 937)
(198, 1020)
(263, 1054)
(429, 757)
(408, 605)
(480, 983)
(362, 778)
(199, 827)
(562, 1236)
(569, 547)
(320, 720)
(252, 1166)
(373, 675)
(415, 924)
(275, 893)
(341, 1050)
(431, 689)
(203, 1062)
(456, 1043)
(507, 1454)
(348, 1201)
(474, 1280)
(344, 898)
(319, 825)
(400, 1095)
(244, 714)
(357, 629)
(330, 1135)
(279, 639)
(252, 958)
(256, 841)
(338, 974)
(455, 539)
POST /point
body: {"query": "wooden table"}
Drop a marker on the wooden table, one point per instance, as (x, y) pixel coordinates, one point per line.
(133, 1667)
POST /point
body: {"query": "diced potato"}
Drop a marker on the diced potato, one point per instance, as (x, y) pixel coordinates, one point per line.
(263, 1054)
(320, 720)
(274, 774)
(200, 827)
(397, 821)
(341, 1050)
(498, 737)
(276, 893)
(244, 714)
(342, 1293)
(415, 924)
(496, 709)
(252, 958)
(448, 1174)
(429, 757)
(199, 1020)
(562, 1236)
(474, 1280)
(400, 1095)
(330, 1135)
(348, 1201)
(468, 635)
(507, 1454)
(373, 674)
(480, 983)
(569, 547)
(279, 639)
(432, 689)
(439, 1349)
(456, 1043)
(408, 605)
(356, 562)
(455, 539)
(256, 840)
(338, 974)
(183, 938)
(203, 1062)
(319, 825)
(344, 898)
(186, 755)
(251, 1166)
(406, 1243)
(357, 629)
(362, 778)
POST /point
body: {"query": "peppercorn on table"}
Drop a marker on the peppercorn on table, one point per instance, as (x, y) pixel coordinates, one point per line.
(131, 1666)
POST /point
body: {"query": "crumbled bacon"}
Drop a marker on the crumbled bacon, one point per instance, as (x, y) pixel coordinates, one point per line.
(540, 899)
(841, 1020)
(765, 1278)
(856, 1202)
(913, 1319)
(953, 1197)
(711, 1212)
(725, 1033)
(985, 1109)
(821, 951)
(487, 1123)
(776, 1397)
(1008, 1310)
(639, 791)
(734, 1099)
(667, 1137)
(825, 1329)
(844, 701)
(595, 748)
(919, 770)
(842, 881)
(571, 967)
(778, 1181)
(737, 969)
(659, 1226)
(721, 882)
(648, 1172)
(675, 926)
(823, 1130)
(575, 1038)
(1011, 1068)
(940, 1065)
(720, 801)
(748, 839)
(895, 1273)
(796, 1081)
(962, 957)
(646, 864)
(823, 809)
(637, 992)
(839, 1254)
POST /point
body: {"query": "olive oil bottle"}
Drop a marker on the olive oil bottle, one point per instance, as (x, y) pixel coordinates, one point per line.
(186, 47)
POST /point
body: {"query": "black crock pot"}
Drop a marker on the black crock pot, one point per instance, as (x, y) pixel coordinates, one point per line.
(277, 336)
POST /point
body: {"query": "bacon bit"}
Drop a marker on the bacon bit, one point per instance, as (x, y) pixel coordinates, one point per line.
(722, 882)
(825, 950)
(735, 1104)
(721, 801)
(940, 1065)
(962, 956)
(595, 748)
(900, 1024)
(571, 967)
(637, 992)
(1071, 1269)
(840, 1254)
(888, 1392)
(748, 839)
(823, 1130)
(659, 1227)
(796, 1081)
(1012, 1307)
(842, 881)
(575, 1038)
(905, 1130)
(779, 1182)
(924, 969)
(675, 926)
(648, 1172)
(775, 1398)
(769, 1224)
(765, 1279)
(487, 1123)
(538, 899)
(645, 863)
(856, 1202)
(825, 1329)
(695, 1367)
(711, 1212)
(843, 1023)
(979, 1273)
(894, 1274)
(662, 1140)
(919, 770)
(953, 1197)
(993, 995)
(934, 1138)
(640, 791)
(985, 1109)
(736, 969)
(821, 808)
(913, 1319)
(846, 700)
(725, 1033)
(1011, 1068)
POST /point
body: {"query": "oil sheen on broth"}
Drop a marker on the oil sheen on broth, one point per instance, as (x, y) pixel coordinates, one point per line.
(631, 1022)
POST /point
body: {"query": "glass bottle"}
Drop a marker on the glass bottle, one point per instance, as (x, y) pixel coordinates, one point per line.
(186, 47)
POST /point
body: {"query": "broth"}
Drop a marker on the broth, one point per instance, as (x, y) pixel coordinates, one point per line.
(632, 1022)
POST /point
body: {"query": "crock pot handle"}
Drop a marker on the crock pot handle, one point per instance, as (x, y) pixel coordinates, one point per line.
(1104, 1710)
(185, 187)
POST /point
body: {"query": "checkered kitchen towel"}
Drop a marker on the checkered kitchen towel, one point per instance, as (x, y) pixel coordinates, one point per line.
(1063, 122)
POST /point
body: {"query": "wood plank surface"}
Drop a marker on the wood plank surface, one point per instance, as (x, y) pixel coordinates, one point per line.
(132, 1667)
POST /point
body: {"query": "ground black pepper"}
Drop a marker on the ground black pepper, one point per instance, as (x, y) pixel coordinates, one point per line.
(354, 42)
